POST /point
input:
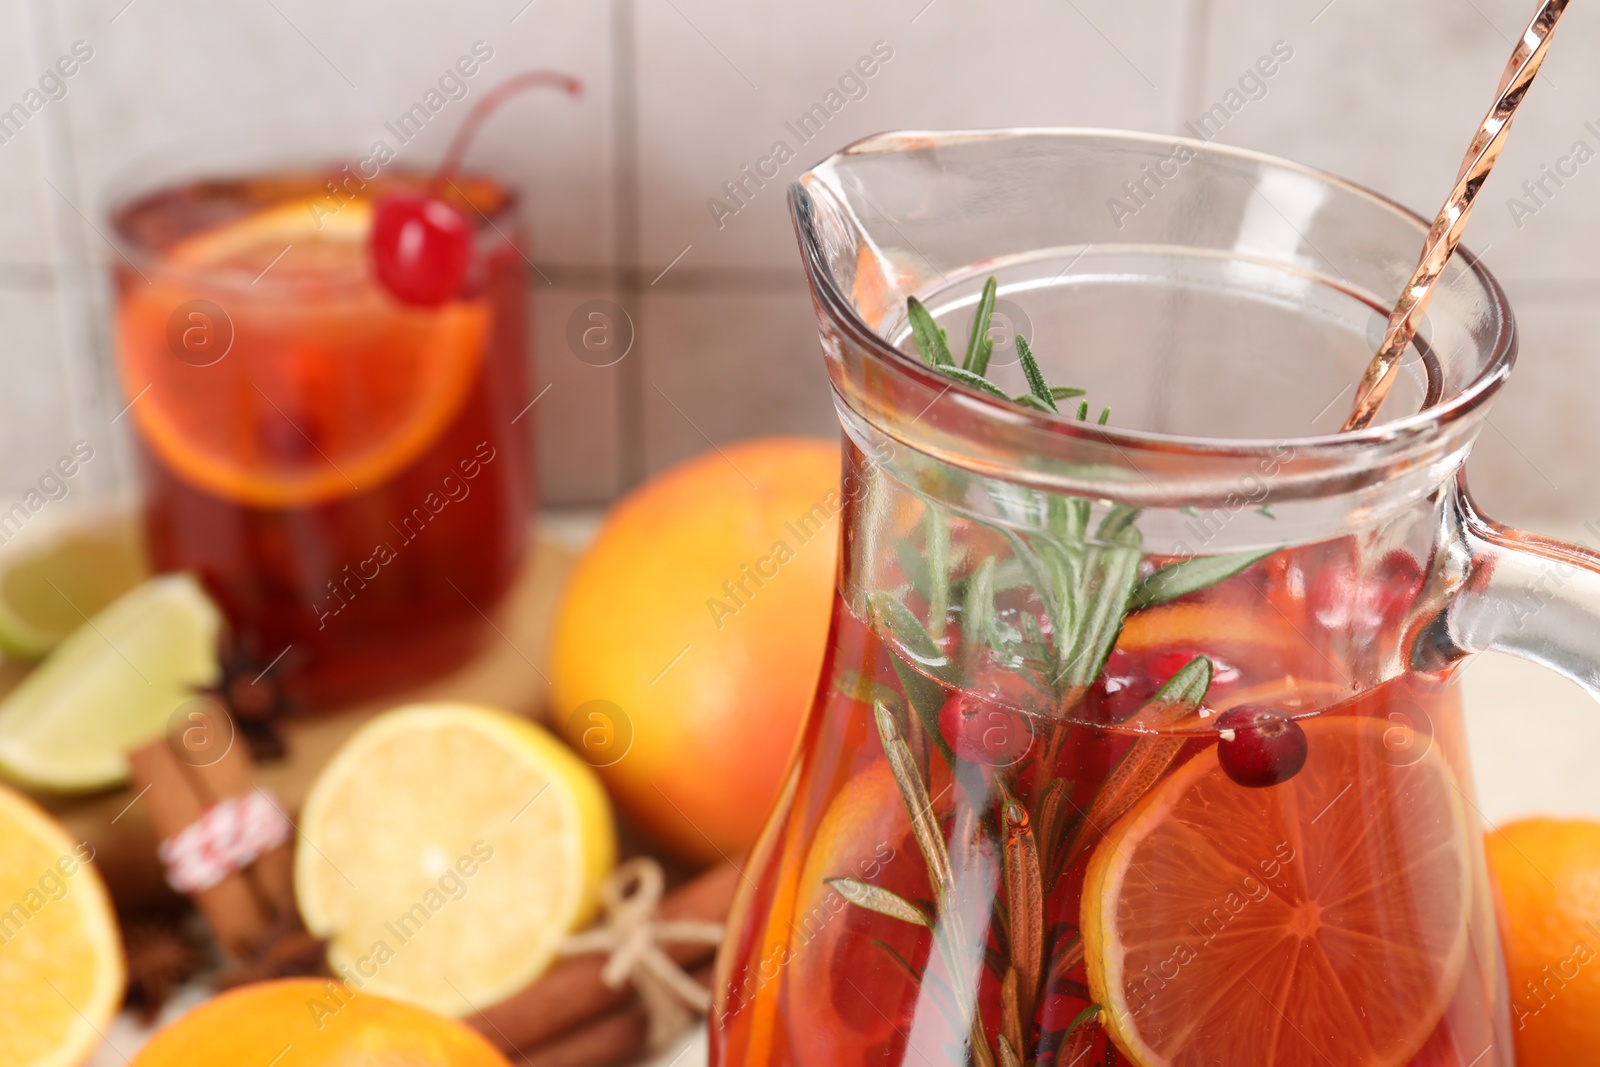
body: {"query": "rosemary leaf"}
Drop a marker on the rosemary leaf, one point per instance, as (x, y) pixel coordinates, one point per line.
(936, 543)
(1190, 576)
(1028, 400)
(919, 806)
(978, 1045)
(1066, 392)
(1010, 1036)
(1055, 809)
(968, 378)
(1117, 524)
(1069, 957)
(980, 346)
(1035, 647)
(1080, 510)
(908, 630)
(930, 339)
(1030, 370)
(1149, 757)
(1083, 411)
(899, 960)
(1077, 1039)
(880, 900)
(977, 611)
(1041, 578)
(927, 700)
(914, 567)
(1087, 1015)
(1117, 572)
(1025, 902)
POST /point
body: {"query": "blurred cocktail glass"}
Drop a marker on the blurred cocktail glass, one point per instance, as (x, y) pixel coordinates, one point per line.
(349, 475)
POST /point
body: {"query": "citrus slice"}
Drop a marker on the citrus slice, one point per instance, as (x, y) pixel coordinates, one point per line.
(1323, 920)
(451, 849)
(52, 581)
(266, 365)
(110, 687)
(61, 969)
(1184, 624)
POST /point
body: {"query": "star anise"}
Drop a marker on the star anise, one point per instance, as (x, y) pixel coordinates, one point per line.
(289, 951)
(252, 689)
(161, 957)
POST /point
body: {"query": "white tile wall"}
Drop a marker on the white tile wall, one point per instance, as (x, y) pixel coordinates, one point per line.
(25, 245)
(724, 365)
(683, 93)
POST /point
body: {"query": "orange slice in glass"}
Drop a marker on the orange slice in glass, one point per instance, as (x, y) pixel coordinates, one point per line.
(267, 366)
(1324, 920)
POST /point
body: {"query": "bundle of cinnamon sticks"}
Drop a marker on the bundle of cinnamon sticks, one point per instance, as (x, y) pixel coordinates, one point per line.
(571, 1018)
(186, 776)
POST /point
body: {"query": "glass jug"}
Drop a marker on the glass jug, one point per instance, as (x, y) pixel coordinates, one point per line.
(1138, 739)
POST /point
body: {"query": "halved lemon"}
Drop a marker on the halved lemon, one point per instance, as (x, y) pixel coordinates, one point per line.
(448, 849)
(52, 580)
(110, 687)
(305, 381)
(61, 968)
(1323, 920)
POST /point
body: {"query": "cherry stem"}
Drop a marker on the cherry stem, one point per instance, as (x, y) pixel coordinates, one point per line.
(491, 101)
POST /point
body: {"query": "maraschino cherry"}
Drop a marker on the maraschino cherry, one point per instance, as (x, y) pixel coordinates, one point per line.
(421, 244)
(1260, 746)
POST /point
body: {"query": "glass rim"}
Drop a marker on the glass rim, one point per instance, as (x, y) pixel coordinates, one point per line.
(240, 154)
(1426, 423)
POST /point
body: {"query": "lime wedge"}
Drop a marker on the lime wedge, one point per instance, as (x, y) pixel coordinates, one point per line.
(110, 687)
(51, 581)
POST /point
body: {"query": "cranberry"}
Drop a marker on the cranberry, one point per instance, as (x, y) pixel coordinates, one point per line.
(1342, 599)
(1130, 679)
(983, 732)
(1260, 746)
(421, 248)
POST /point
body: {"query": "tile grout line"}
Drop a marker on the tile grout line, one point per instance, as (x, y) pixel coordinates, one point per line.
(1192, 62)
(1196, 59)
(71, 273)
(625, 208)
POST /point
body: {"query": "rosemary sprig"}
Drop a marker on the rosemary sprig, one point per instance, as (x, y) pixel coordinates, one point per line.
(1087, 582)
(931, 340)
(1030, 370)
(1150, 756)
(980, 346)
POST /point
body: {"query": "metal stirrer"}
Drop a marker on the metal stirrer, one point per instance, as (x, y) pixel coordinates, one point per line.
(1452, 221)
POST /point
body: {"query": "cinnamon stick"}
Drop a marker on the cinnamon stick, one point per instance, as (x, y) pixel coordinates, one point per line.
(614, 1038)
(228, 776)
(571, 991)
(231, 908)
(611, 1039)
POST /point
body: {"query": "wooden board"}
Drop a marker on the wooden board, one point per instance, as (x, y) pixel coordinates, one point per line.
(509, 673)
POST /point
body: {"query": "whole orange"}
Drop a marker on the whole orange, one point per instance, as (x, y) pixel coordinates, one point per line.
(689, 638)
(315, 1023)
(1548, 872)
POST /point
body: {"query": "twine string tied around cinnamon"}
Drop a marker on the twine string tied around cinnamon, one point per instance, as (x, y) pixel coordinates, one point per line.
(632, 934)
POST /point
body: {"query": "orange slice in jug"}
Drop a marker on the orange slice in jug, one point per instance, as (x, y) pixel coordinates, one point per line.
(1323, 920)
(266, 365)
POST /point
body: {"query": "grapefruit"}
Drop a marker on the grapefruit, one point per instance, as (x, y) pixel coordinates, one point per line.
(696, 623)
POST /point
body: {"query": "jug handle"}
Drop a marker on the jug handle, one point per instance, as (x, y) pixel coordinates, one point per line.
(1530, 596)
